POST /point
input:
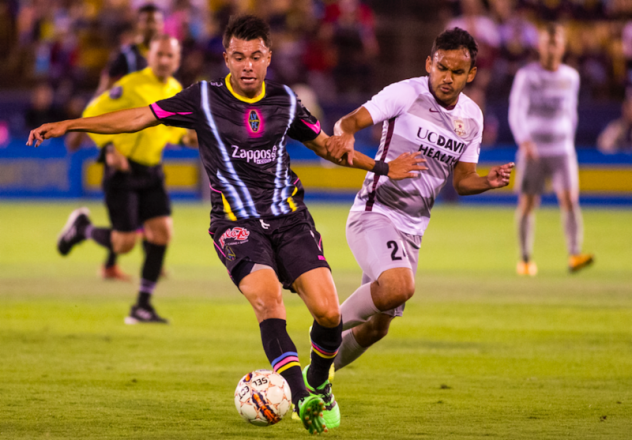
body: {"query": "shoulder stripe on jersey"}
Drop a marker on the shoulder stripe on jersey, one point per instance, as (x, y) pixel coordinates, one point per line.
(282, 183)
(241, 210)
(376, 178)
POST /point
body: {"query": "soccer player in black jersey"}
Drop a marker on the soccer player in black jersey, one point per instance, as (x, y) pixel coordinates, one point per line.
(261, 229)
(133, 57)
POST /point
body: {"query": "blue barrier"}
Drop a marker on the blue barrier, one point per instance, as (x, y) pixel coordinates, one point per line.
(51, 172)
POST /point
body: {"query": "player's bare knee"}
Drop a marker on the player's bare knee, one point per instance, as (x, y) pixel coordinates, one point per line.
(397, 285)
(159, 231)
(123, 243)
(328, 318)
(268, 305)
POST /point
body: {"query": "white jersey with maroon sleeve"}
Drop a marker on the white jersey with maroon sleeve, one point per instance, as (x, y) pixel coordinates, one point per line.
(414, 121)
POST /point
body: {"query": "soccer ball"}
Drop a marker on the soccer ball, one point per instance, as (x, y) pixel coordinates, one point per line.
(263, 397)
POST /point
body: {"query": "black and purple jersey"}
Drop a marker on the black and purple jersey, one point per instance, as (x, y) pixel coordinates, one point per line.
(243, 145)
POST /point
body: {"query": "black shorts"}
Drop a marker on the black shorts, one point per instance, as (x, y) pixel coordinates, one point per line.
(291, 245)
(136, 196)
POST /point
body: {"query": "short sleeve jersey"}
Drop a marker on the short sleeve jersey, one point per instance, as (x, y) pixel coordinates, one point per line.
(243, 145)
(415, 122)
(130, 59)
(543, 108)
(137, 89)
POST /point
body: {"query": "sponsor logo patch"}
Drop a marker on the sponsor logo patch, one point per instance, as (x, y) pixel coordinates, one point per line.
(235, 234)
(259, 157)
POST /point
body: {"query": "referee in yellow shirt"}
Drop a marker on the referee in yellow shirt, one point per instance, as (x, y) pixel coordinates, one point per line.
(133, 180)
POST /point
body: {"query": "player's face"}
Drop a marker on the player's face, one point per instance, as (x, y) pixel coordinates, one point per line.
(164, 57)
(552, 48)
(247, 61)
(449, 71)
(150, 24)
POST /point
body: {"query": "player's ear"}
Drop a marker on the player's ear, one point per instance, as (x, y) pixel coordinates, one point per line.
(428, 64)
(471, 74)
(226, 59)
(269, 58)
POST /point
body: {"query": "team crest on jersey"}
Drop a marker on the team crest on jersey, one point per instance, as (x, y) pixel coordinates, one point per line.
(235, 236)
(459, 127)
(254, 122)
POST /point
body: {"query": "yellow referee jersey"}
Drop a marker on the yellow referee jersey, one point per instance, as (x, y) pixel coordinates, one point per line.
(138, 89)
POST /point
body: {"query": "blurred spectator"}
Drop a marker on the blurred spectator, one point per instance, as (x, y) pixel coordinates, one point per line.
(518, 43)
(353, 35)
(131, 57)
(617, 136)
(626, 39)
(42, 109)
(476, 21)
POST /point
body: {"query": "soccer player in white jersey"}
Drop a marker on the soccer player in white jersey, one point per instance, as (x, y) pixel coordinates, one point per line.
(543, 119)
(429, 115)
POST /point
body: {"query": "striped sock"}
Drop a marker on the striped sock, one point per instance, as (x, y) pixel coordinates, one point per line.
(282, 354)
(325, 345)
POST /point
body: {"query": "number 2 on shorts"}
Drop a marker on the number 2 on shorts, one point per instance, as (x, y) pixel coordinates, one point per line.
(393, 245)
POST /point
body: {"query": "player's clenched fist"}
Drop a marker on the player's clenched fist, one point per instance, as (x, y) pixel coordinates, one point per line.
(498, 177)
(405, 165)
(46, 131)
(340, 145)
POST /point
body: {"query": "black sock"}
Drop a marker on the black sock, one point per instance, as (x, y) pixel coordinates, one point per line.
(111, 260)
(154, 257)
(102, 236)
(282, 354)
(144, 300)
(325, 345)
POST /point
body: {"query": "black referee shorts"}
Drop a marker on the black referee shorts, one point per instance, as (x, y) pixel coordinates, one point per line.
(291, 245)
(136, 196)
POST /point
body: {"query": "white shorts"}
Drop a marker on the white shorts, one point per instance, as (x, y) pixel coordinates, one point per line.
(378, 246)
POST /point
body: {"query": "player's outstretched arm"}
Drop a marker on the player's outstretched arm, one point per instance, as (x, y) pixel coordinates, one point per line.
(341, 145)
(124, 121)
(405, 166)
(467, 181)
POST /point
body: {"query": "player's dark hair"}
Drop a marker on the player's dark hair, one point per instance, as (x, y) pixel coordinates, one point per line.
(246, 27)
(454, 39)
(148, 8)
(552, 27)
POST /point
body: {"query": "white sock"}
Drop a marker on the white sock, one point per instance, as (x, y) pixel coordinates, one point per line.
(349, 350)
(573, 230)
(526, 233)
(358, 308)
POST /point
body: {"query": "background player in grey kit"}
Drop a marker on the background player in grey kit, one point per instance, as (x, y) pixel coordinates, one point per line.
(543, 119)
(387, 221)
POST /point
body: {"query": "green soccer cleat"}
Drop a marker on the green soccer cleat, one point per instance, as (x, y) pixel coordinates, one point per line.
(310, 410)
(331, 412)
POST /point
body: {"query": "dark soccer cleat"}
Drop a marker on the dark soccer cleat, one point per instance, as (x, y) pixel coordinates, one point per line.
(144, 315)
(73, 232)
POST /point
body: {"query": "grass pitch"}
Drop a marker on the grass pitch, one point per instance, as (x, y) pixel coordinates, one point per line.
(479, 353)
